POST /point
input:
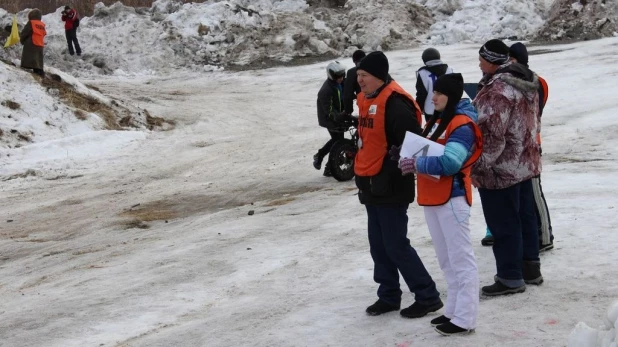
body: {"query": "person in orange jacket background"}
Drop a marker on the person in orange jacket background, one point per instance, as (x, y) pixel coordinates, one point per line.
(32, 37)
(447, 199)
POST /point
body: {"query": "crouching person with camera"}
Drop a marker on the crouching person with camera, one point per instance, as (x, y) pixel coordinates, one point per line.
(386, 112)
(447, 196)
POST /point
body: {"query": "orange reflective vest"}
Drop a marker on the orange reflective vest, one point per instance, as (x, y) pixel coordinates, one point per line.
(545, 89)
(371, 130)
(432, 192)
(543, 95)
(38, 33)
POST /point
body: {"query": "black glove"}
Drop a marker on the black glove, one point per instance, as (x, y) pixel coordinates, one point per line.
(394, 152)
(342, 116)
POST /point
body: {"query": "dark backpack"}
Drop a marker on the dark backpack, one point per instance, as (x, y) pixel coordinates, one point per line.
(76, 23)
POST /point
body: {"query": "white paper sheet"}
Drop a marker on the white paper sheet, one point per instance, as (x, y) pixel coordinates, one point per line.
(418, 146)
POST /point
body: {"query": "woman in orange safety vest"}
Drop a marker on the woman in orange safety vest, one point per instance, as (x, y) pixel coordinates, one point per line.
(447, 200)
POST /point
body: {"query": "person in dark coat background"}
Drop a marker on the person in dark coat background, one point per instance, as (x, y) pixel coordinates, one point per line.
(32, 37)
(426, 77)
(71, 22)
(330, 107)
(350, 84)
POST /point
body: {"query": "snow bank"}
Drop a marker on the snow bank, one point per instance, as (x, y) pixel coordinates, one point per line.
(123, 40)
(37, 110)
(605, 336)
(580, 20)
(479, 21)
(208, 36)
(377, 24)
(31, 113)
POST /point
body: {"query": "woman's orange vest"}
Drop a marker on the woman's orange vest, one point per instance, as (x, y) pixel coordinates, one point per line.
(545, 88)
(432, 192)
(371, 130)
(38, 33)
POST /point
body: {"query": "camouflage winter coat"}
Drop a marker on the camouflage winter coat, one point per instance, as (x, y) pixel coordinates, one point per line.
(508, 109)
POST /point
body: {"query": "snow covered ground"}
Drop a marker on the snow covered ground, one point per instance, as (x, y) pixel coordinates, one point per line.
(146, 238)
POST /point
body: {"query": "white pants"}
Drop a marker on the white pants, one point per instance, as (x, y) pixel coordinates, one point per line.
(450, 231)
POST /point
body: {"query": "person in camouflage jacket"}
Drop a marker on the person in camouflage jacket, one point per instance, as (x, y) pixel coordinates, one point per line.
(508, 109)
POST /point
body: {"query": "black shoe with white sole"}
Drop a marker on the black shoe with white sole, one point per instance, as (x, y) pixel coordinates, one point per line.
(448, 329)
(440, 320)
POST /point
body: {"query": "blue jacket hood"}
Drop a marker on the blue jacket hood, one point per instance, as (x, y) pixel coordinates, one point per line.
(465, 107)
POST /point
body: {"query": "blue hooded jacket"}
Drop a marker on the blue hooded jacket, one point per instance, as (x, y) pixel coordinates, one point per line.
(458, 149)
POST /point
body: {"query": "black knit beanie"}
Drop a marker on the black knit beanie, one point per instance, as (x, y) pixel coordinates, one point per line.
(495, 52)
(519, 52)
(376, 64)
(451, 85)
(358, 55)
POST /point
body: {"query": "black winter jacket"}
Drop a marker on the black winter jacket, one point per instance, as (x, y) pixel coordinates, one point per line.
(350, 90)
(330, 104)
(390, 186)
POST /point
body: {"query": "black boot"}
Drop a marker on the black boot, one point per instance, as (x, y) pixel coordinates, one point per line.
(488, 240)
(417, 310)
(380, 307)
(327, 171)
(500, 289)
(532, 272)
(317, 161)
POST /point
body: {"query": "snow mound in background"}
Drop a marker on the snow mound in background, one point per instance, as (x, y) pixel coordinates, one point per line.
(376, 24)
(31, 113)
(605, 336)
(123, 40)
(479, 21)
(37, 110)
(209, 36)
(580, 20)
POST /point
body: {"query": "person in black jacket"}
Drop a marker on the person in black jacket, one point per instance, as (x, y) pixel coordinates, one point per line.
(350, 85)
(386, 112)
(425, 78)
(330, 107)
